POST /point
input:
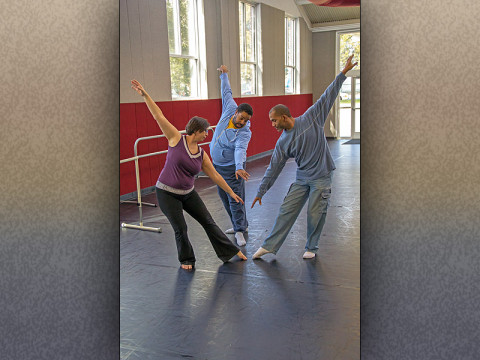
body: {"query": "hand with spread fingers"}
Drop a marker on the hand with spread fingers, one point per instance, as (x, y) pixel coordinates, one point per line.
(236, 197)
(223, 69)
(242, 173)
(138, 87)
(349, 65)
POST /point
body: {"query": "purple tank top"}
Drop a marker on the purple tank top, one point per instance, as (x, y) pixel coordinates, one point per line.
(180, 167)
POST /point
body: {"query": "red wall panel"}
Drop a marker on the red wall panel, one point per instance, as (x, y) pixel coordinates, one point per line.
(136, 121)
(128, 135)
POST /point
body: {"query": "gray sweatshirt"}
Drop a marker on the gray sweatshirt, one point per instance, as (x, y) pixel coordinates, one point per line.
(305, 142)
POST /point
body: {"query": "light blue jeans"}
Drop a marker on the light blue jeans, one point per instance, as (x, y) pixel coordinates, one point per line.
(236, 211)
(318, 192)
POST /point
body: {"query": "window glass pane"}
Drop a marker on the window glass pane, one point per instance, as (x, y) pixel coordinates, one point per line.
(289, 80)
(290, 42)
(250, 33)
(187, 27)
(357, 105)
(345, 97)
(171, 27)
(350, 44)
(182, 77)
(248, 79)
(242, 35)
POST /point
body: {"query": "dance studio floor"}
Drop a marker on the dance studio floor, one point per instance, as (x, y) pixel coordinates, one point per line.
(278, 307)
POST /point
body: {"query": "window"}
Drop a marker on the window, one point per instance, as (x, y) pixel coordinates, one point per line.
(348, 112)
(183, 47)
(349, 45)
(290, 52)
(248, 49)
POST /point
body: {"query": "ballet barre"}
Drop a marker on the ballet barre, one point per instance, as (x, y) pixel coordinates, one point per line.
(135, 158)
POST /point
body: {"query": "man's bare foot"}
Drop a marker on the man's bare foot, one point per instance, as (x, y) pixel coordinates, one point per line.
(241, 256)
(186, 267)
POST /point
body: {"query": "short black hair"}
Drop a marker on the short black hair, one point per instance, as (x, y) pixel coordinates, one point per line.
(280, 110)
(245, 107)
(195, 124)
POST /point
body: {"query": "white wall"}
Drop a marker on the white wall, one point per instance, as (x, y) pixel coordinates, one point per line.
(230, 45)
(213, 10)
(324, 72)
(144, 49)
(272, 50)
(305, 61)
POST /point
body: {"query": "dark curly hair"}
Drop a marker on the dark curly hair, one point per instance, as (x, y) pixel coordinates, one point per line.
(245, 107)
(195, 124)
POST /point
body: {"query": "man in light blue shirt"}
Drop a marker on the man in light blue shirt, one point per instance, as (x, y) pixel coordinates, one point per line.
(228, 149)
(303, 138)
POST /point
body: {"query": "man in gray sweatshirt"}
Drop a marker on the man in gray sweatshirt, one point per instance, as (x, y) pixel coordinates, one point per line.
(303, 138)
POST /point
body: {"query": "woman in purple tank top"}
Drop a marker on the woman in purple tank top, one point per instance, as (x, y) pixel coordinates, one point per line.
(175, 190)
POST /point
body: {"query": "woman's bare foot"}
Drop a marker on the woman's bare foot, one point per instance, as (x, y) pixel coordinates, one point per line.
(241, 256)
(186, 267)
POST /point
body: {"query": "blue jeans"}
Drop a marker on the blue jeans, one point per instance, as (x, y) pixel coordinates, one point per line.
(236, 211)
(318, 192)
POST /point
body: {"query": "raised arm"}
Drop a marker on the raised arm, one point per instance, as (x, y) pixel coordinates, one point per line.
(170, 131)
(209, 170)
(320, 109)
(228, 104)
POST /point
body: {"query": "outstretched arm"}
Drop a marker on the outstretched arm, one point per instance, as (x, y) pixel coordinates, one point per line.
(320, 109)
(240, 155)
(277, 163)
(228, 104)
(210, 171)
(170, 131)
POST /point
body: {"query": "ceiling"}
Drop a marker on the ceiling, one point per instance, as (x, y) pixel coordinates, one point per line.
(324, 18)
(319, 18)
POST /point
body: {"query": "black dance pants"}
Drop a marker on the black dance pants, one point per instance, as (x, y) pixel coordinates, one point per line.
(172, 205)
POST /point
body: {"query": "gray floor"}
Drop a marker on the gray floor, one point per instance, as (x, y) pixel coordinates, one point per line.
(279, 307)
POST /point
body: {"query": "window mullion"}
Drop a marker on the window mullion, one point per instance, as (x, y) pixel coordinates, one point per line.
(190, 57)
(254, 29)
(286, 41)
(244, 31)
(178, 37)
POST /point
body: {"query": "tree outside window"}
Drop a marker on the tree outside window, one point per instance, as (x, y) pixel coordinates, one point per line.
(290, 58)
(349, 44)
(182, 42)
(248, 49)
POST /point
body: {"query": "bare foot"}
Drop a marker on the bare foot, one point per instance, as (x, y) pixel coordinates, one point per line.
(241, 256)
(260, 252)
(186, 267)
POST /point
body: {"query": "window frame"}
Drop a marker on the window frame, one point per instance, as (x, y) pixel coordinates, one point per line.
(242, 33)
(196, 76)
(294, 52)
